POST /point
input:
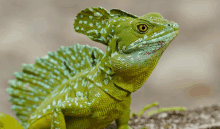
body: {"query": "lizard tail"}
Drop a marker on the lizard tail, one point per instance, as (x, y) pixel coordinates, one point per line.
(38, 80)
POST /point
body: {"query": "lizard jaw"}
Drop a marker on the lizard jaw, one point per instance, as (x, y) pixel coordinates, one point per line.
(151, 46)
(161, 43)
(164, 42)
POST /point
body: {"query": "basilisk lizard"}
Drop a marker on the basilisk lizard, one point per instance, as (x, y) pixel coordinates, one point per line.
(80, 87)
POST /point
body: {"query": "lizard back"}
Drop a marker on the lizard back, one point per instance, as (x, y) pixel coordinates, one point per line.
(38, 80)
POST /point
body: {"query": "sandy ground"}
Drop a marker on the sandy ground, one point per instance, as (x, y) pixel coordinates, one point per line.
(186, 75)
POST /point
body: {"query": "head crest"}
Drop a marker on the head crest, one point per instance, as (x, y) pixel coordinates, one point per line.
(93, 22)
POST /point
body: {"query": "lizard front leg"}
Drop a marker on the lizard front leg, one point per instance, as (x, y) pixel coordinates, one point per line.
(122, 121)
(77, 107)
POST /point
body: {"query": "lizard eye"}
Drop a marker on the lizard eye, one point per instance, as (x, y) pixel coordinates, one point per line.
(142, 27)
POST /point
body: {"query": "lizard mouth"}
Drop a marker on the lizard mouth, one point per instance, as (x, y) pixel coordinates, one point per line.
(158, 45)
(151, 46)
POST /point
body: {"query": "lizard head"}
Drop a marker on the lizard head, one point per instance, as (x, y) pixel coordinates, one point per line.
(134, 44)
(140, 41)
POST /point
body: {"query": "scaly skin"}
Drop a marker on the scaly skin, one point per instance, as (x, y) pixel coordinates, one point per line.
(79, 87)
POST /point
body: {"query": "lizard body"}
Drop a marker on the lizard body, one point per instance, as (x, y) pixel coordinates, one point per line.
(80, 86)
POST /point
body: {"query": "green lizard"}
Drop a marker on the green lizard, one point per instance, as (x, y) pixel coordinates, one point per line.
(80, 87)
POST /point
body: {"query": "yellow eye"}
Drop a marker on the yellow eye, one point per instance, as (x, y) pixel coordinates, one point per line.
(142, 27)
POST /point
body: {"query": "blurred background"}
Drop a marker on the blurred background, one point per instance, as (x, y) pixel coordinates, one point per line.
(188, 73)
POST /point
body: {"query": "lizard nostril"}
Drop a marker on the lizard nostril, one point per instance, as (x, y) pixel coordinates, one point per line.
(175, 26)
(168, 24)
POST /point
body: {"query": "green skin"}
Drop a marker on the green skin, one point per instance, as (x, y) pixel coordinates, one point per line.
(100, 91)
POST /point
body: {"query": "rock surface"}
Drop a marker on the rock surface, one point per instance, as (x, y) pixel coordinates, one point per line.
(202, 117)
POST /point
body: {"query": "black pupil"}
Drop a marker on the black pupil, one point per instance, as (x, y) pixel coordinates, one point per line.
(143, 27)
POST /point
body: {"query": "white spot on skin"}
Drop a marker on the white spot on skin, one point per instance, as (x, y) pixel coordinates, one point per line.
(32, 117)
(79, 94)
(80, 22)
(102, 38)
(76, 101)
(48, 107)
(99, 84)
(66, 97)
(90, 24)
(95, 74)
(96, 23)
(63, 105)
(85, 22)
(109, 71)
(108, 48)
(82, 28)
(98, 14)
(90, 17)
(113, 54)
(145, 37)
(76, 85)
(44, 110)
(81, 16)
(55, 114)
(90, 37)
(57, 123)
(91, 9)
(123, 48)
(97, 95)
(38, 116)
(90, 31)
(90, 86)
(54, 102)
(103, 31)
(106, 81)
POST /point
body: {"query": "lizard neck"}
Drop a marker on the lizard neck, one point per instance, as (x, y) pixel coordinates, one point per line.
(129, 83)
(120, 84)
(124, 77)
(101, 76)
